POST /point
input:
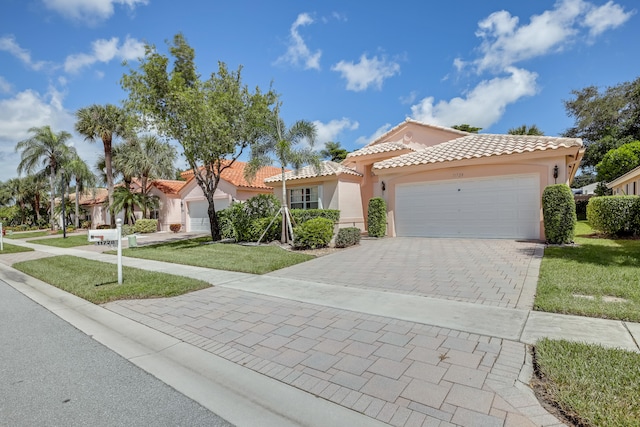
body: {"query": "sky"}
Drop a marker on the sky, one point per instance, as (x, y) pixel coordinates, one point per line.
(355, 69)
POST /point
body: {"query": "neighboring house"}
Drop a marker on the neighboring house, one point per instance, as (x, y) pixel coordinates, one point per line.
(589, 189)
(232, 187)
(441, 182)
(169, 204)
(627, 184)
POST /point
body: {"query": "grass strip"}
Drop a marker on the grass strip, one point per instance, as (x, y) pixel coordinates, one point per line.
(12, 249)
(590, 384)
(30, 234)
(230, 257)
(61, 242)
(581, 279)
(98, 281)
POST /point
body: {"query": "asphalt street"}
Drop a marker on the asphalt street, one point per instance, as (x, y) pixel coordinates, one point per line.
(52, 374)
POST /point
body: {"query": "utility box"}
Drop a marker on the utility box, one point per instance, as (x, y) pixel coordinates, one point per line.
(133, 241)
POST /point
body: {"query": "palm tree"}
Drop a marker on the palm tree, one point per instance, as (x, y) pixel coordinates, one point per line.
(333, 151)
(525, 130)
(84, 180)
(47, 149)
(16, 190)
(147, 158)
(280, 142)
(126, 200)
(103, 122)
(35, 188)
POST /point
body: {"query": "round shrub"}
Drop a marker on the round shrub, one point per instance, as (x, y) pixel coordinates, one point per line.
(615, 215)
(559, 211)
(377, 217)
(259, 225)
(348, 236)
(315, 233)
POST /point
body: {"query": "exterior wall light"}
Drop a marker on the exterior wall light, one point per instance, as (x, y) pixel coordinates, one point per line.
(383, 186)
(555, 174)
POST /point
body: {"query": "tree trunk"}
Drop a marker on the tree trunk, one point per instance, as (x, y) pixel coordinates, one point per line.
(53, 197)
(77, 218)
(109, 172)
(213, 220)
(284, 237)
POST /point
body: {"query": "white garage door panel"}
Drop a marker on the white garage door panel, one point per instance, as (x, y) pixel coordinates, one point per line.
(198, 216)
(498, 207)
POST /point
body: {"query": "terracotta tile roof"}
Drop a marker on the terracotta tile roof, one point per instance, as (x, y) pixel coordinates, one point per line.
(93, 196)
(327, 168)
(168, 186)
(478, 146)
(408, 120)
(383, 147)
(235, 175)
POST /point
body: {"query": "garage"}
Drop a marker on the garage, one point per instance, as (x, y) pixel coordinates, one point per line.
(494, 207)
(198, 218)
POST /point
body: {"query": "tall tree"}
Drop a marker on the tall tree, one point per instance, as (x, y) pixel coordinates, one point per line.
(333, 151)
(525, 130)
(619, 161)
(103, 122)
(84, 179)
(604, 119)
(279, 144)
(45, 150)
(214, 120)
(466, 128)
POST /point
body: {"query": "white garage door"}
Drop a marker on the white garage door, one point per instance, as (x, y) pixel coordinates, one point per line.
(198, 216)
(497, 207)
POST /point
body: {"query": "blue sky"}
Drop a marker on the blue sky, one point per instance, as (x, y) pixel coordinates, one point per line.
(356, 69)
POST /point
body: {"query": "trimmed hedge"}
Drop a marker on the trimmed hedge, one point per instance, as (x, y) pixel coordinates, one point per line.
(300, 216)
(377, 217)
(559, 211)
(348, 236)
(315, 233)
(146, 226)
(615, 215)
(259, 225)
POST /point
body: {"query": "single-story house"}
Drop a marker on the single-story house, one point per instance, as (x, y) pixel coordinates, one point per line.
(627, 184)
(441, 182)
(232, 187)
(168, 212)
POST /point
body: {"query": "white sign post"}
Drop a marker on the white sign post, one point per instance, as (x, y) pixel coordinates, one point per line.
(119, 237)
(1, 238)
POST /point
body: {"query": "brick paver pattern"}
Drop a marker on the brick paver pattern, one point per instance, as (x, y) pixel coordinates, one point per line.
(398, 372)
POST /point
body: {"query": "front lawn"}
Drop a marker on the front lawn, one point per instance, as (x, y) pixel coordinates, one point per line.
(597, 277)
(30, 234)
(61, 242)
(592, 385)
(97, 282)
(246, 259)
(12, 249)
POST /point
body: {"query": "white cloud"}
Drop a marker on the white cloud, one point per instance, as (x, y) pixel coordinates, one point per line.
(481, 107)
(505, 42)
(363, 140)
(89, 11)
(409, 99)
(330, 131)
(9, 44)
(607, 16)
(5, 86)
(104, 50)
(367, 72)
(298, 52)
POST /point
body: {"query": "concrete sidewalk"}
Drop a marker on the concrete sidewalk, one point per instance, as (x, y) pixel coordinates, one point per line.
(382, 357)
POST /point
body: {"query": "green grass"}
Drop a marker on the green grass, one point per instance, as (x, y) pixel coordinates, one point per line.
(61, 242)
(595, 267)
(98, 281)
(12, 249)
(591, 384)
(246, 259)
(30, 234)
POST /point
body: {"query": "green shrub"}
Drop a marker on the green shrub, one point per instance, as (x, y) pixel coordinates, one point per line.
(559, 212)
(347, 237)
(259, 225)
(300, 216)
(103, 227)
(262, 206)
(127, 229)
(314, 233)
(146, 226)
(85, 224)
(175, 227)
(235, 223)
(615, 215)
(377, 217)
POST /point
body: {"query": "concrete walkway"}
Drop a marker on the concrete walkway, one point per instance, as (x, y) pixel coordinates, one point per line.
(373, 357)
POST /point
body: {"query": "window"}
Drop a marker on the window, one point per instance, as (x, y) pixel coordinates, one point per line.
(304, 198)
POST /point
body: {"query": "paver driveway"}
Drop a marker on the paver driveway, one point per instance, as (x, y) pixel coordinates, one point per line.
(501, 273)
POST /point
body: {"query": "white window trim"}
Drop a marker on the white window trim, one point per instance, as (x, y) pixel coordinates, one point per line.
(318, 191)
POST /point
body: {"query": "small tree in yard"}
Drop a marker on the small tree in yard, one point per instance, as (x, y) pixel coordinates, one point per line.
(559, 211)
(214, 120)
